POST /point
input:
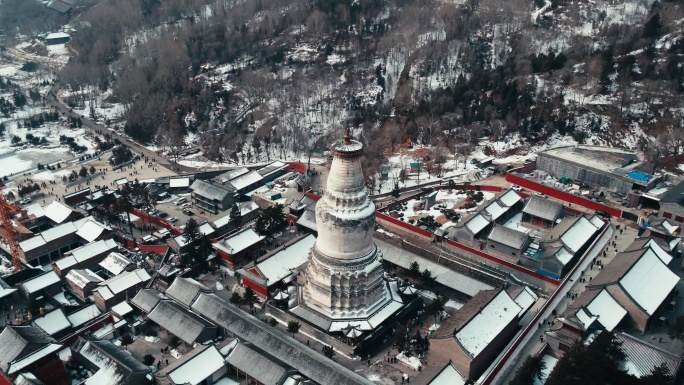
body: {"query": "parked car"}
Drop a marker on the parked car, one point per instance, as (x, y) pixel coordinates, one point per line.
(153, 211)
(602, 214)
(25, 201)
(163, 214)
(515, 187)
(540, 194)
(181, 201)
(186, 205)
(173, 219)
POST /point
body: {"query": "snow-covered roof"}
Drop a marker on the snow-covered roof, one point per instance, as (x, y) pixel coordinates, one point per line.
(181, 322)
(122, 308)
(671, 228)
(185, 290)
(198, 368)
(245, 208)
(443, 275)
(308, 219)
(115, 263)
(57, 212)
(525, 299)
(232, 174)
(121, 182)
(208, 190)
(33, 357)
(660, 252)
(91, 230)
(206, 229)
(84, 315)
(607, 309)
(488, 323)
(40, 282)
(578, 234)
(448, 376)
(56, 35)
(585, 318)
(477, 223)
(246, 180)
(563, 255)
(35, 209)
(81, 278)
(32, 243)
(53, 322)
(495, 210)
(179, 182)
(256, 365)
(239, 241)
(85, 252)
(59, 231)
(121, 282)
(542, 208)
(115, 365)
(509, 237)
(281, 264)
(271, 168)
(147, 299)
(509, 198)
(596, 221)
(649, 282)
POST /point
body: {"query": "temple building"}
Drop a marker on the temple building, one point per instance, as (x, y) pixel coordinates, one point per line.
(344, 279)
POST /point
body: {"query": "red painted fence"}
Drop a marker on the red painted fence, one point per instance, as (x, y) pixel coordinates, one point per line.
(562, 195)
(469, 249)
(131, 244)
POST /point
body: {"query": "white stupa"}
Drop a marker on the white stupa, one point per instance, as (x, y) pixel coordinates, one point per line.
(344, 276)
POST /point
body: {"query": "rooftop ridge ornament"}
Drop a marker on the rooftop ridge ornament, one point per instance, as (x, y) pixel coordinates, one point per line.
(347, 137)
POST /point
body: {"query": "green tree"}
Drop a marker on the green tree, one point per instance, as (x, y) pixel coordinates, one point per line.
(236, 298)
(659, 375)
(92, 170)
(293, 327)
(328, 351)
(272, 321)
(235, 214)
(126, 340)
(148, 359)
(414, 269)
(530, 370)
(653, 28)
(435, 307)
(271, 221)
(427, 278)
(249, 298)
(83, 172)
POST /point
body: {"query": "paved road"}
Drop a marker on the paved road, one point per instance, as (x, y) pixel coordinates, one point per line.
(58, 104)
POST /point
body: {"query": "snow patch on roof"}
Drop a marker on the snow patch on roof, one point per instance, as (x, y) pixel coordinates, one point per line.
(84, 315)
(199, 368)
(239, 242)
(40, 282)
(607, 309)
(53, 322)
(57, 212)
(281, 264)
(477, 223)
(649, 281)
(578, 234)
(488, 323)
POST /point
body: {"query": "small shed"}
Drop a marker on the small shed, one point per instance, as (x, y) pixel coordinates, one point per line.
(57, 38)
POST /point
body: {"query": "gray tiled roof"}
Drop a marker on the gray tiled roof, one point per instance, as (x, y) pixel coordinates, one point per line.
(185, 290)
(508, 237)
(123, 368)
(181, 322)
(309, 363)
(18, 341)
(146, 299)
(643, 357)
(209, 191)
(543, 208)
(256, 365)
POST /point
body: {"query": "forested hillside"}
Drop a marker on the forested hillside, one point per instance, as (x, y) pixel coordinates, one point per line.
(260, 79)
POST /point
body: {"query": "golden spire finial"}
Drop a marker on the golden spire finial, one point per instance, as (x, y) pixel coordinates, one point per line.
(347, 136)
